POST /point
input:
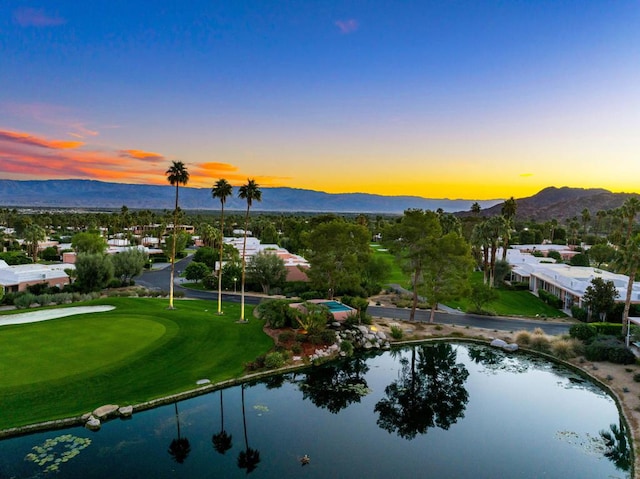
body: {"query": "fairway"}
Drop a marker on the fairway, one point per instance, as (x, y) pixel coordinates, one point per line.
(139, 351)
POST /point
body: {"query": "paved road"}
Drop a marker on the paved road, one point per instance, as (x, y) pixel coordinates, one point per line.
(159, 279)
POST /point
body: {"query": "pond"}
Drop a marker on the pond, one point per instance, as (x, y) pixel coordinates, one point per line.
(442, 410)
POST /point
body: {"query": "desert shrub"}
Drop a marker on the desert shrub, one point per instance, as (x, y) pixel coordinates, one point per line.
(24, 300)
(44, 299)
(562, 348)
(396, 332)
(579, 313)
(584, 332)
(540, 343)
(277, 313)
(609, 348)
(523, 338)
(577, 346)
(274, 360)
(636, 377)
(538, 332)
(296, 348)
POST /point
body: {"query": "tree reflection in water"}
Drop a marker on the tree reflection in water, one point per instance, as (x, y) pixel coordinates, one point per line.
(334, 387)
(180, 447)
(618, 450)
(248, 458)
(222, 441)
(429, 392)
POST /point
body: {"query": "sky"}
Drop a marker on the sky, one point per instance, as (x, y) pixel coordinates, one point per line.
(439, 99)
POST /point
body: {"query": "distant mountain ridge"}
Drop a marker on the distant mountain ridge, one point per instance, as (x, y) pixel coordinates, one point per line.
(562, 203)
(551, 202)
(99, 194)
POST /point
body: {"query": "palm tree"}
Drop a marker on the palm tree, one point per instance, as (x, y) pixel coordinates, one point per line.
(630, 209)
(629, 261)
(33, 234)
(177, 175)
(221, 190)
(249, 192)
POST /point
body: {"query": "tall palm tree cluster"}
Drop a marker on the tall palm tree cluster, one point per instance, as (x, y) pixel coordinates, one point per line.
(177, 175)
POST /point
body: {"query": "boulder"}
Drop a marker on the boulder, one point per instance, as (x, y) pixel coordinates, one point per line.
(125, 411)
(498, 343)
(381, 335)
(93, 423)
(511, 347)
(106, 411)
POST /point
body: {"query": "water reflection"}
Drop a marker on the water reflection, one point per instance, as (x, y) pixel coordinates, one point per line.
(336, 386)
(248, 458)
(617, 447)
(222, 441)
(429, 392)
(180, 447)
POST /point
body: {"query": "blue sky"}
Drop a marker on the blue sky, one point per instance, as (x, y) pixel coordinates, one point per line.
(433, 98)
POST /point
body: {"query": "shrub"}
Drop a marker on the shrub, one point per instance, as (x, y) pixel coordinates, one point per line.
(307, 295)
(396, 332)
(296, 348)
(608, 348)
(583, 332)
(636, 377)
(327, 336)
(579, 313)
(608, 329)
(621, 355)
(286, 336)
(540, 343)
(24, 300)
(523, 338)
(273, 360)
(346, 347)
(562, 349)
(538, 332)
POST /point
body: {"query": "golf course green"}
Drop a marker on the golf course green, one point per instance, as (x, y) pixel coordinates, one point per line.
(139, 351)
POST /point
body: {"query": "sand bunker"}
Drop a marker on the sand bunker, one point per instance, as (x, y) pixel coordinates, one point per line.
(44, 315)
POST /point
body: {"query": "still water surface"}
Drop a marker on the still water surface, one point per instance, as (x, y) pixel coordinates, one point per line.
(440, 410)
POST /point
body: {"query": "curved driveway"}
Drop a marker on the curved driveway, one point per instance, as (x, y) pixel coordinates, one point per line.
(159, 279)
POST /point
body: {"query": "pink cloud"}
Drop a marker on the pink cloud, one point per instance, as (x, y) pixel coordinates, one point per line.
(347, 26)
(26, 139)
(141, 155)
(35, 17)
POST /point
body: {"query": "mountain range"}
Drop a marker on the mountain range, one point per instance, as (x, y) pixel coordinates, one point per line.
(98, 194)
(552, 202)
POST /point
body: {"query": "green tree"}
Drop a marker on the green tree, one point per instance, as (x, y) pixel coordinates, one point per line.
(50, 253)
(33, 234)
(601, 253)
(338, 255)
(93, 271)
(206, 255)
(128, 264)
(475, 208)
(267, 269)
(446, 270)
(630, 210)
(221, 190)
(600, 297)
(87, 242)
(482, 294)
(249, 192)
(196, 271)
(509, 209)
(177, 174)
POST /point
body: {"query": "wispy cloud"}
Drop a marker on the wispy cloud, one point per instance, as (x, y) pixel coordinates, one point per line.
(141, 155)
(61, 117)
(27, 139)
(347, 26)
(36, 17)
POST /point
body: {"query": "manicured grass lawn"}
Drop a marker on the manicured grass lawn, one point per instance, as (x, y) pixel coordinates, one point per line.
(394, 273)
(511, 303)
(137, 352)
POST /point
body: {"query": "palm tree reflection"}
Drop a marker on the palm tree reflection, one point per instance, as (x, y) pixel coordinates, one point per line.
(222, 441)
(179, 448)
(249, 458)
(618, 450)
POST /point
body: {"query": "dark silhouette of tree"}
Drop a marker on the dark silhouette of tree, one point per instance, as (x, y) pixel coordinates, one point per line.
(618, 448)
(248, 458)
(336, 386)
(179, 448)
(429, 392)
(222, 441)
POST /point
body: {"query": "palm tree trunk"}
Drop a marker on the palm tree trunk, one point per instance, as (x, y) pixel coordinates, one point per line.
(220, 260)
(244, 262)
(627, 306)
(173, 250)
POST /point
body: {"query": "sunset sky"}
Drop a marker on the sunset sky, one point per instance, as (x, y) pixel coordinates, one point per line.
(439, 99)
